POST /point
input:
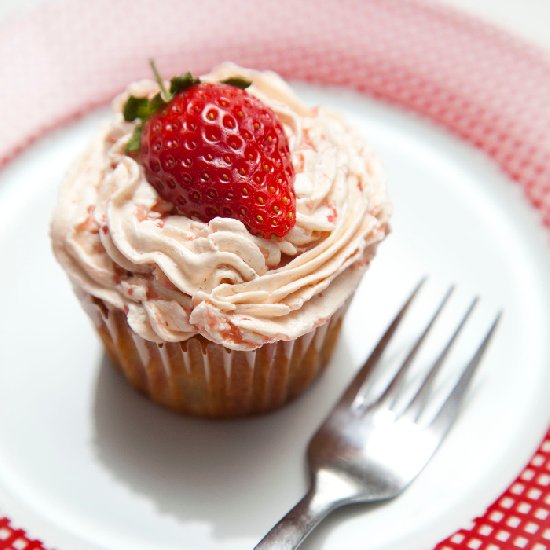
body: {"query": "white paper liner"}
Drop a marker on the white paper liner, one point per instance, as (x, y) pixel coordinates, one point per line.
(203, 378)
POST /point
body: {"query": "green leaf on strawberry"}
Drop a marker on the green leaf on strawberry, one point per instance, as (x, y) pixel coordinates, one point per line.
(183, 82)
(134, 142)
(142, 107)
(238, 82)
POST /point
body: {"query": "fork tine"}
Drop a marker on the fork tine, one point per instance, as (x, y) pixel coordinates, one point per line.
(390, 393)
(355, 385)
(418, 401)
(448, 410)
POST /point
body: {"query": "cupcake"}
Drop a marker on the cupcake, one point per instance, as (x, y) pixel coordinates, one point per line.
(215, 231)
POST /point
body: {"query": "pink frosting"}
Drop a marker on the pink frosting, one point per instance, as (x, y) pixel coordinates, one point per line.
(176, 277)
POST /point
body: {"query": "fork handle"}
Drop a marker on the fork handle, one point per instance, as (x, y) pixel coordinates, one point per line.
(296, 525)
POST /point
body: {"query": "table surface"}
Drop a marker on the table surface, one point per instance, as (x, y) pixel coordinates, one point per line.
(527, 18)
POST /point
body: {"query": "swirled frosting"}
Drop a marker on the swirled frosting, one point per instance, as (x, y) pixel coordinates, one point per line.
(175, 277)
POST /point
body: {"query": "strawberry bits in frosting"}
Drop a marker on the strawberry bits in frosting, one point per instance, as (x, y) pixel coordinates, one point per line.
(175, 276)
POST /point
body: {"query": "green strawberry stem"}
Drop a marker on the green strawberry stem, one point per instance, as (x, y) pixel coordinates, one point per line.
(163, 91)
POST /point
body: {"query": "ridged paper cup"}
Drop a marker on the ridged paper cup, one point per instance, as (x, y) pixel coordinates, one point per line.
(202, 378)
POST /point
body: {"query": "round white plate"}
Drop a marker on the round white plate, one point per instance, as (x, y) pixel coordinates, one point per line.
(86, 463)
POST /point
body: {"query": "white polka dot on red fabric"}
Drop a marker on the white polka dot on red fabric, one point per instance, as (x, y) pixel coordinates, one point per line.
(527, 474)
(532, 528)
(485, 530)
(507, 502)
(512, 522)
(520, 542)
(517, 488)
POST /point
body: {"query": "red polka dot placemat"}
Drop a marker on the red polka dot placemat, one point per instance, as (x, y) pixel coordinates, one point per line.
(13, 538)
(480, 83)
(520, 518)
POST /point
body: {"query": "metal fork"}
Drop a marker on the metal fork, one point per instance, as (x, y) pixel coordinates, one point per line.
(371, 451)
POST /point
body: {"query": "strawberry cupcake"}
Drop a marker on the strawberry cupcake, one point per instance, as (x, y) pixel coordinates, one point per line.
(215, 231)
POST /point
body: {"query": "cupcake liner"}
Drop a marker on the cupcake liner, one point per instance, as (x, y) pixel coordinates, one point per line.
(203, 378)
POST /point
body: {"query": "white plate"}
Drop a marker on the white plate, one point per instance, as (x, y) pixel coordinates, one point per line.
(87, 463)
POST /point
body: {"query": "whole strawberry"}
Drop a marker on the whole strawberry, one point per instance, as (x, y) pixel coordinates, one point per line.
(213, 149)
